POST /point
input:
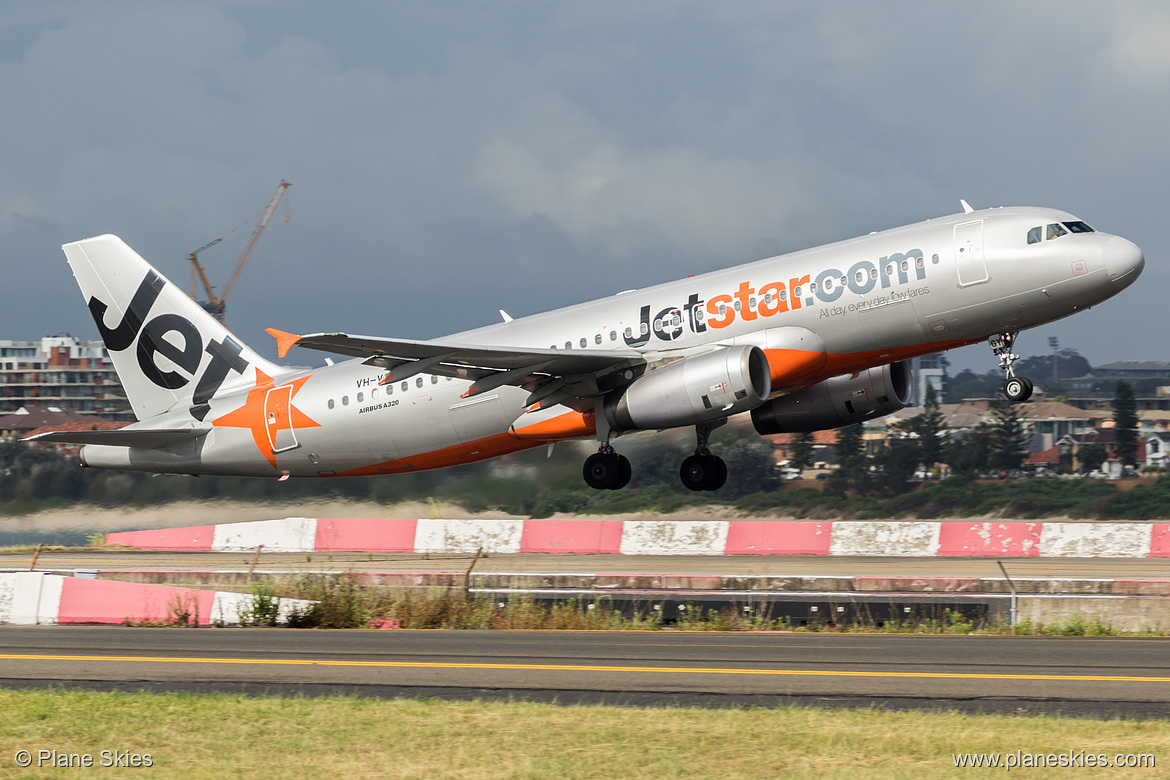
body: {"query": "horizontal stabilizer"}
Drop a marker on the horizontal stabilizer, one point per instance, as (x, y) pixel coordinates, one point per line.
(146, 438)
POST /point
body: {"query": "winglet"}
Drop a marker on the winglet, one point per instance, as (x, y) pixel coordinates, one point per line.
(966, 206)
(284, 341)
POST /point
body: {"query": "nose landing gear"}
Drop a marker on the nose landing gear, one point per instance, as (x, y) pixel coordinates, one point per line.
(1015, 388)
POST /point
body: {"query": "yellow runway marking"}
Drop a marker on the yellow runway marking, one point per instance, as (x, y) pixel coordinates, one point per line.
(584, 668)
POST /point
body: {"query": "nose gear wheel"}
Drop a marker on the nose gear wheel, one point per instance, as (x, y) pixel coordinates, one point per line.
(1015, 388)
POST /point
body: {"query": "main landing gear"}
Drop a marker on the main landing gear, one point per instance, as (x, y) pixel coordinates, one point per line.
(704, 471)
(607, 470)
(1015, 388)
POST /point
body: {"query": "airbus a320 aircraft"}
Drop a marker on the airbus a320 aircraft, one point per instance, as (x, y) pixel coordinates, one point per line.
(806, 341)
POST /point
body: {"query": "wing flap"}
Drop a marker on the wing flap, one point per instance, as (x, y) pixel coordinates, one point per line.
(146, 438)
(555, 362)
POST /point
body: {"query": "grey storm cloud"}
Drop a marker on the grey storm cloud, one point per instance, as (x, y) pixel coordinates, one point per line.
(449, 160)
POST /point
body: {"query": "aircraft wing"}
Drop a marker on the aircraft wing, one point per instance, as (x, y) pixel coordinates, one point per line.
(140, 437)
(489, 366)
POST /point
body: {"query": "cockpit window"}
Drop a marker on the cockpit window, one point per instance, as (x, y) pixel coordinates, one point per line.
(1034, 235)
(1078, 227)
(1054, 231)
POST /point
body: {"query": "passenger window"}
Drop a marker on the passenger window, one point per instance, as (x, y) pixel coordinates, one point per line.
(389, 389)
(568, 345)
(374, 393)
(1054, 231)
(418, 382)
(361, 397)
(345, 400)
(1034, 235)
(629, 333)
(330, 403)
(584, 342)
(613, 335)
(405, 386)
(644, 329)
(434, 379)
(597, 339)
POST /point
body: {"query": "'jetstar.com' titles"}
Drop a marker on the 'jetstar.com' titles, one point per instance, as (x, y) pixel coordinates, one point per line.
(748, 303)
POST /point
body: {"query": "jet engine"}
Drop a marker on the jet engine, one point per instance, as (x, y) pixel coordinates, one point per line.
(693, 390)
(841, 400)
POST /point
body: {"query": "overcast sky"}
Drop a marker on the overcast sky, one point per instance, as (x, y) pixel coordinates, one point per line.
(452, 159)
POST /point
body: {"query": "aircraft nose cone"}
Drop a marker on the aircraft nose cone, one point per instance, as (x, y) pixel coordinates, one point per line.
(1124, 261)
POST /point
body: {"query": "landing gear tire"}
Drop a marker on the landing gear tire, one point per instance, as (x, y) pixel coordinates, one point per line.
(1017, 389)
(607, 471)
(703, 472)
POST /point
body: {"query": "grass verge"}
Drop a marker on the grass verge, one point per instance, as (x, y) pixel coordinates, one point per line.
(343, 602)
(212, 736)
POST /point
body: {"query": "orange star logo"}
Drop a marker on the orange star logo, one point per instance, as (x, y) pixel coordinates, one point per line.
(267, 411)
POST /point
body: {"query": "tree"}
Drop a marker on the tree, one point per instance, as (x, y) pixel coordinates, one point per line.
(851, 465)
(970, 454)
(1008, 439)
(895, 464)
(1125, 423)
(929, 428)
(1091, 456)
(751, 467)
(1067, 364)
(968, 384)
(802, 450)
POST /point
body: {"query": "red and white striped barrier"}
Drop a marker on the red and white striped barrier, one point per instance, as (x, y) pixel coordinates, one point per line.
(669, 537)
(32, 598)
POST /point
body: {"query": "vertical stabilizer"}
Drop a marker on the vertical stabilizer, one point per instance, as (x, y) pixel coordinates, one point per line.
(169, 353)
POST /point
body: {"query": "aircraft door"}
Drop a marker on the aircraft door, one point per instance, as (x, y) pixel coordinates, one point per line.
(278, 419)
(969, 260)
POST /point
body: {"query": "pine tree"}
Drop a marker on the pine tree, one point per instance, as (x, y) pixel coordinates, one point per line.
(1008, 438)
(930, 428)
(802, 450)
(1125, 423)
(851, 459)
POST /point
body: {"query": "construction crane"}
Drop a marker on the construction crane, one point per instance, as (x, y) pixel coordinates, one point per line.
(216, 304)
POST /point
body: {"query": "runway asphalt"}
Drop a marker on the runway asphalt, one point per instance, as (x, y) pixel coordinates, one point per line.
(535, 563)
(1078, 676)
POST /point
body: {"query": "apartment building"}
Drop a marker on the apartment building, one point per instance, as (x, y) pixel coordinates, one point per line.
(63, 372)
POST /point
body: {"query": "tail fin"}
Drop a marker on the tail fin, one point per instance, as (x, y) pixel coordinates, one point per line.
(168, 352)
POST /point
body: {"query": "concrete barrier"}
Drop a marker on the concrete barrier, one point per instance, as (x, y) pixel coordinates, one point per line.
(674, 537)
(467, 536)
(894, 538)
(669, 537)
(289, 534)
(32, 598)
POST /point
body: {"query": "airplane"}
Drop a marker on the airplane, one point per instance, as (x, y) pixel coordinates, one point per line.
(811, 340)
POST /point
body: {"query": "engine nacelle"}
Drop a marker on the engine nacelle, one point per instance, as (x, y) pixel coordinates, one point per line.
(693, 390)
(841, 400)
